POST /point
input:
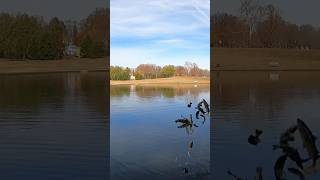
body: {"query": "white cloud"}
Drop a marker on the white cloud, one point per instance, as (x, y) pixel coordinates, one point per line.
(160, 32)
(158, 17)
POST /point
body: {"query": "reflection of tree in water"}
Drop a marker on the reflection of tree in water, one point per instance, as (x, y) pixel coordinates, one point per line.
(119, 91)
(153, 91)
(21, 91)
(31, 92)
(231, 86)
(22, 96)
(170, 91)
(94, 87)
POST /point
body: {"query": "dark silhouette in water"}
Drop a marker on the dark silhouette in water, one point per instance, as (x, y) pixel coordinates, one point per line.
(201, 110)
(185, 122)
(234, 176)
(297, 172)
(186, 170)
(254, 139)
(197, 114)
(189, 124)
(258, 173)
(294, 155)
(309, 141)
(191, 145)
(286, 137)
(206, 105)
(278, 167)
(204, 118)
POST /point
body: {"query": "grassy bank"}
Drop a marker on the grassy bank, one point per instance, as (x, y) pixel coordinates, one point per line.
(159, 81)
(48, 66)
(264, 59)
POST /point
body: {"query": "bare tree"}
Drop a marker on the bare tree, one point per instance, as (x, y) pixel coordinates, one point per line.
(251, 13)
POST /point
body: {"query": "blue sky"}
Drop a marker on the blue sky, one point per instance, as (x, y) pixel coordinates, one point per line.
(160, 32)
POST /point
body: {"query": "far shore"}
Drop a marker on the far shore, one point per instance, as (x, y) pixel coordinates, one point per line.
(264, 59)
(172, 81)
(8, 66)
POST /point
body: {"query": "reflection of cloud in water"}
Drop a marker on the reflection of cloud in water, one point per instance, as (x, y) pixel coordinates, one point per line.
(144, 137)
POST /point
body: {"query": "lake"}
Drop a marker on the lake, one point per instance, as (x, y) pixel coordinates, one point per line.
(54, 126)
(145, 141)
(270, 101)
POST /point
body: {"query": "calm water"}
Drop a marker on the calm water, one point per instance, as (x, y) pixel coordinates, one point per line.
(271, 101)
(145, 140)
(54, 126)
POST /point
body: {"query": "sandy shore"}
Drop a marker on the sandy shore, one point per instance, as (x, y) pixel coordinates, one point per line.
(264, 59)
(49, 66)
(159, 81)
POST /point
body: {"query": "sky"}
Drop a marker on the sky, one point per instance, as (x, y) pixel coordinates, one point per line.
(63, 9)
(160, 32)
(296, 11)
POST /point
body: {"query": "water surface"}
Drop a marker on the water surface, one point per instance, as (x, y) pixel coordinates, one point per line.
(54, 126)
(145, 140)
(271, 101)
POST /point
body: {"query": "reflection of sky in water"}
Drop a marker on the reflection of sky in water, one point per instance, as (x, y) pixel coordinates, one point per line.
(145, 141)
(257, 102)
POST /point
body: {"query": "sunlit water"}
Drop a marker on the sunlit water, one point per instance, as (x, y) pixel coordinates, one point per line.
(54, 126)
(145, 141)
(270, 101)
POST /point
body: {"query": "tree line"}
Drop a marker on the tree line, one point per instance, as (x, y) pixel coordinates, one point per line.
(23, 36)
(260, 26)
(152, 71)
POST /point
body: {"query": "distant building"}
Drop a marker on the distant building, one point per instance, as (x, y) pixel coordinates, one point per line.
(132, 77)
(274, 64)
(72, 50)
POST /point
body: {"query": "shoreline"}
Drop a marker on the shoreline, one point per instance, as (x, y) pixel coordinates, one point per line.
(52, 66)
(222, 59)
(164, 81)
(264, 59)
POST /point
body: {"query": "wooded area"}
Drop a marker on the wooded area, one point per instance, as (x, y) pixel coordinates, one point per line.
(30, 37)
(261, 26)
(152, 71)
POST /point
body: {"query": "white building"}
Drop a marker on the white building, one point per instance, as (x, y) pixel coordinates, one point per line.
(72, 50)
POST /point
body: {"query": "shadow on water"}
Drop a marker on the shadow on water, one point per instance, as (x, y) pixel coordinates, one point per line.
(272, 102)
(54, 126)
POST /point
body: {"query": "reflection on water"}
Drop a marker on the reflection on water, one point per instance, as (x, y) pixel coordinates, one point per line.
(270, 101)
(54, 126)
(190, 125)
(145, 140)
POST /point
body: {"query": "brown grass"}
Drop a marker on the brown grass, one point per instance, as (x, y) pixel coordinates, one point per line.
(165, 81)
(45, 66)
(260, 59)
